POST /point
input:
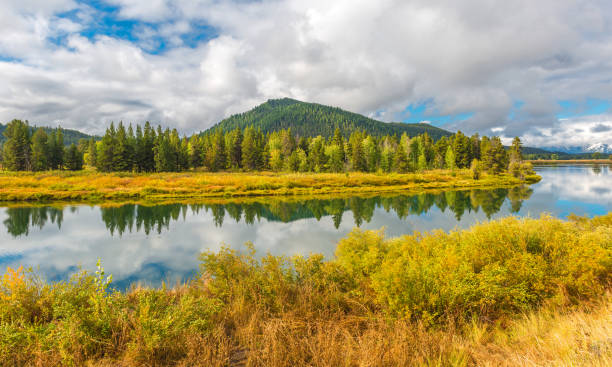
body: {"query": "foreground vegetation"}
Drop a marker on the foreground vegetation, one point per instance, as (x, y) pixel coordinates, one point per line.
(93, 186)
(510, 292)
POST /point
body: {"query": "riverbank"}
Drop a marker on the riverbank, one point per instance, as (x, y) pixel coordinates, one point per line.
(570, 161)
(510, 292)
(88, 186)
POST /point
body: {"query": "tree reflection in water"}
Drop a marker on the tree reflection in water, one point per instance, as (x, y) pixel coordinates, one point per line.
(157, 218)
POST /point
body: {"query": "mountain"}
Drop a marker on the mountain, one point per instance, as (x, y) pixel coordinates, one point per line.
(312, 119)
(591, 148)
(70, 136)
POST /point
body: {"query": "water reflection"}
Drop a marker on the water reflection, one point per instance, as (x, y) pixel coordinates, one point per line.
(151, 244)
(156, 219)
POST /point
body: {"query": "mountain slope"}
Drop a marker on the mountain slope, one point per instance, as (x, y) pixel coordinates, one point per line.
(312, 119)
(70, 136)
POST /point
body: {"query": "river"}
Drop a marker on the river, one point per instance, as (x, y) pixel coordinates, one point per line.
(151, 244)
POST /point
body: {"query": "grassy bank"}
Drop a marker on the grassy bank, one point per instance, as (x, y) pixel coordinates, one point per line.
(571, 161)
(95, 187)
(531, 292)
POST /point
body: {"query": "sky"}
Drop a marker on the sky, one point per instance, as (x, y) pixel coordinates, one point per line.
(541, 70)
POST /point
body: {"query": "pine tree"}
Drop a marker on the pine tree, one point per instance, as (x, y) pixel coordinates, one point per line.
(121, 160)
(358, 160)
(251, 150)
(495, 157)
(401, 159)
(106, 150)
(372, 154)
(57, 150)
(216, 155)
(195, 151)
(338, 140)
(40, 150)
(335, 158)
(516, 150)
(234, 149)
(74, 158)
(164, 154)
(17, 149)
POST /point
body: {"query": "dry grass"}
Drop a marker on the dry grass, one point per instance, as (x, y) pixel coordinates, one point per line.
(93, 186)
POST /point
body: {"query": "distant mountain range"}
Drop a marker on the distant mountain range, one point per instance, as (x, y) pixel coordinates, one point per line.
(312, 119)
(70, 136)
(592, 148)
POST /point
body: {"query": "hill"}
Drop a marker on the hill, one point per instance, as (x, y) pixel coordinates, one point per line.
(70, 136)
(312, 119)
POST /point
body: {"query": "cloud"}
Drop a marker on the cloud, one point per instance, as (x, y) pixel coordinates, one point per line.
(570, 132)
(191, 63)
(600, 128)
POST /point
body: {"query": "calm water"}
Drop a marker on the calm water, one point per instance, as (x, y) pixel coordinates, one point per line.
(149, 244)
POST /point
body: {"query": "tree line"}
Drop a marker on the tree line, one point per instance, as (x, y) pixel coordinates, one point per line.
(157, 218)
(145, 149)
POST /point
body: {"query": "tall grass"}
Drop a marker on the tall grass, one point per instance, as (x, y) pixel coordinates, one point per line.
(95, 186)
(510, 292)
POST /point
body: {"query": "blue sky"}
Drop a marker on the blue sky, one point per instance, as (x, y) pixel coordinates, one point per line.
(190, 63)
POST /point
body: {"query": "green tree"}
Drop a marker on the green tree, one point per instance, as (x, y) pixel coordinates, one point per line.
(17, 148)
(91, 153)
(450, 159)
(358, 160)
(234, 148)
(40, 150)
(495, 157)
(516, 150)
(252, 150)
(74, 158)
(335, 158)
(56, 147)
(401, 159)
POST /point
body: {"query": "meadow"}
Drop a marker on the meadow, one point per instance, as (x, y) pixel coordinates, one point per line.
(510, 292)
(93, 186)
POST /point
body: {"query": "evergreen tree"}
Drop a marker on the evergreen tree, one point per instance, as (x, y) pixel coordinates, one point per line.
(216, 155)
(106, 150)
(40, 150)
(401, 159)
(73, 159)
(335, 158)
(372, 154)
(195, 151)
(495, 157)
(121, 160)
(57, 149)
(17, 149)
(251, 150)
(516, 150)
(234, 148)
(462, 150)
(164, 154)
(358, 160)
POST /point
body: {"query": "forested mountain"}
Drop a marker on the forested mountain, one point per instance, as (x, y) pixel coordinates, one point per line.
(70, 136)
(312, 119)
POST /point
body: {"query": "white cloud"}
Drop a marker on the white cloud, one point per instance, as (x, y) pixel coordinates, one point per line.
(372, 57)
(572, 132)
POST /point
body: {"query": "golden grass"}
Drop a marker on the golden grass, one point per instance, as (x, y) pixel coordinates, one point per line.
(93, 186)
